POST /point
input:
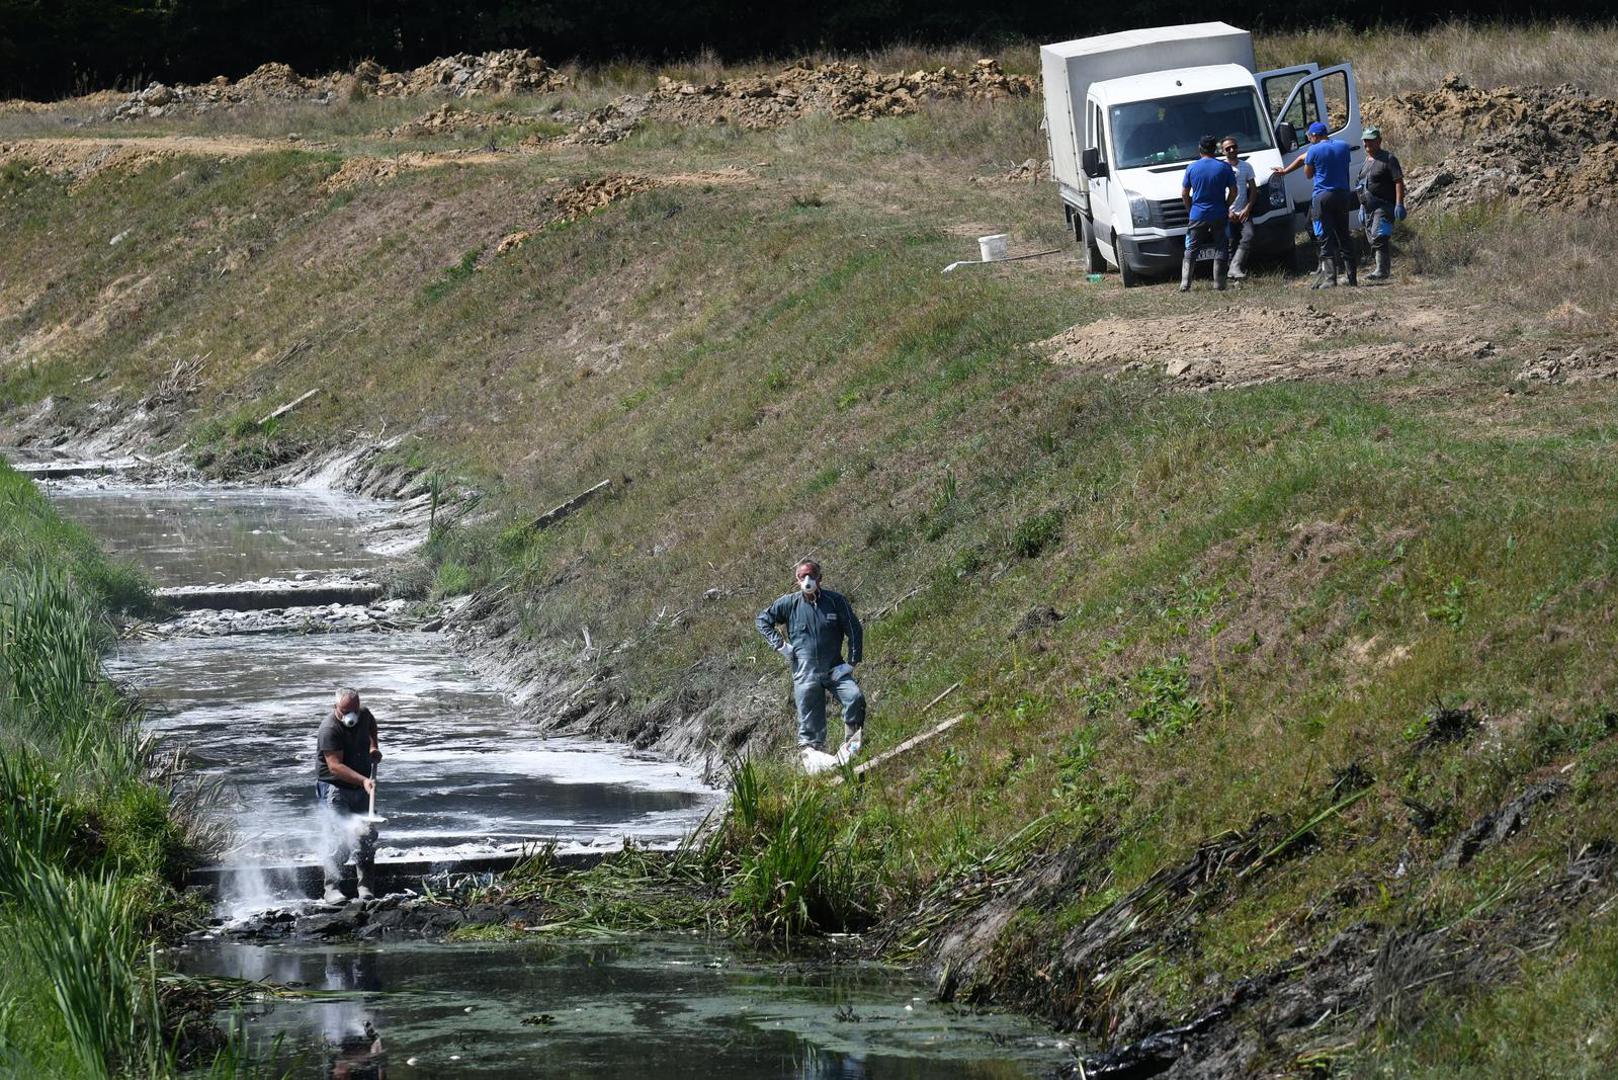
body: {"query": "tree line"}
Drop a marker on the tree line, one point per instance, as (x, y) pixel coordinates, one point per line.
(49, 48)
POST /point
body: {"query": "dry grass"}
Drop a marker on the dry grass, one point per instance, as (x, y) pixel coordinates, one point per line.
(1389, 61)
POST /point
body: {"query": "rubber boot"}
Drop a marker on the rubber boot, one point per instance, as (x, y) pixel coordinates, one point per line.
(1238, 266)
(1383, 270)
(1221, 269)
(366, 877)
(1188, 267)
(1325, 275)
(1351, 265)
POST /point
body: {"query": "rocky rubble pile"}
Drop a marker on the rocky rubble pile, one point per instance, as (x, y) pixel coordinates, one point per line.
(1532, 146)
(508, 71)
(585, 198)
(844, 91)
(1586, 362)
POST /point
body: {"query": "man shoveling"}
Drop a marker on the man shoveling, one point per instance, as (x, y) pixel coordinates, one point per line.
(817, 622)
(345, 763)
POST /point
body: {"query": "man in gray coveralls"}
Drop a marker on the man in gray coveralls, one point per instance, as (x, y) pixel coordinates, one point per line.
(817, 621)
(346, 754)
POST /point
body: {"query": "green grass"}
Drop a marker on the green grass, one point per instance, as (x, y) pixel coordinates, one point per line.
(1556, 1021)
(790, 857)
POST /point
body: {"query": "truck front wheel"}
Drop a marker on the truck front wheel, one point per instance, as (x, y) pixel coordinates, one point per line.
(1130, 277)
(1093, 262)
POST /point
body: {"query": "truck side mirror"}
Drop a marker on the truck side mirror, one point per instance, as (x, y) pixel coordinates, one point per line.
(1286, 136)
(1090, 163)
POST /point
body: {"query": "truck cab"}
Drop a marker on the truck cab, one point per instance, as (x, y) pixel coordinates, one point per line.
(1120, 144)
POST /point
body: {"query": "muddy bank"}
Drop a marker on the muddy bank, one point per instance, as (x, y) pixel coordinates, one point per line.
(397, 915)
(1004, 946)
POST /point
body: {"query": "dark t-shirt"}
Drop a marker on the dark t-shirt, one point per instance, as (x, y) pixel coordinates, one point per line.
(1379, 172)
(353, 743)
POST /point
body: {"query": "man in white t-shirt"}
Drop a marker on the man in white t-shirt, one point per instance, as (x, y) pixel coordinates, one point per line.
(1241, 211)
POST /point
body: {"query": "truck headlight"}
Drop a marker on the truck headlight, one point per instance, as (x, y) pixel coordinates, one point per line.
(1140, 209)
(1278, 193)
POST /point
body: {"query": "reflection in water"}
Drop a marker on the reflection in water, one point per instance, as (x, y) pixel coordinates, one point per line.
(456, 778)
(638, 1009)
(184, 536)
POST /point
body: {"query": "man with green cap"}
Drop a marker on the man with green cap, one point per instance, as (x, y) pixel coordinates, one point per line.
(1382, 194)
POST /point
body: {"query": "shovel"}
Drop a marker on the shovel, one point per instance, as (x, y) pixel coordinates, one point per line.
(370, 817)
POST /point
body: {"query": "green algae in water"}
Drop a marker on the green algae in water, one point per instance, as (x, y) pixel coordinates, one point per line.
(637, 1009)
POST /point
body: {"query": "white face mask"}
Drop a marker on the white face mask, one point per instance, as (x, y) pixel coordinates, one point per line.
(349, 719)
(809, 586)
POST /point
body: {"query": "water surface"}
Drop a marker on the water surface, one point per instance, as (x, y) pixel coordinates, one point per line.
(460, 775)
(631, 1010)
(216, 536)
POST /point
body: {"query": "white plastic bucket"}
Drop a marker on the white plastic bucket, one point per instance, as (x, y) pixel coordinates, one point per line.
(993, 248)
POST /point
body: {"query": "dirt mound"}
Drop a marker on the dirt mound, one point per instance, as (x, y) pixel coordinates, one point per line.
(1589, 362)
(447, 119)
(366, 170)
(1529, 145)
(360, 171)
(844, 91)
(508, 71)
(1276, 344)
(585, 198)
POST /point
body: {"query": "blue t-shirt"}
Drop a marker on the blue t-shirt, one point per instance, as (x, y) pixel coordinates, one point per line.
(1329, 159)
(1210, 182)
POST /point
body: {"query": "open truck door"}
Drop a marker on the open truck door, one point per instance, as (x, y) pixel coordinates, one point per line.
(1329, 95)
(1099, 231)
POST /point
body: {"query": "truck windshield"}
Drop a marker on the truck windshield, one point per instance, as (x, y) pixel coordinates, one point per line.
(1167, 130)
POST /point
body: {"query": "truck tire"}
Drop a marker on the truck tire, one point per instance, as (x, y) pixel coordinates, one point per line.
(1129, 277)
(1093, 262)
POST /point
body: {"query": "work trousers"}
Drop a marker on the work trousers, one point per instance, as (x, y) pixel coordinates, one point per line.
(809, 691)
(1241, 235)
(1378, 221)
(349, 836)
(1203, 233)
(1331, 209)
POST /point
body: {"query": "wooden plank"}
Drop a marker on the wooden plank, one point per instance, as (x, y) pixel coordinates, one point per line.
(947, 692)
(557, 513)
(905, 747)
(288, 407)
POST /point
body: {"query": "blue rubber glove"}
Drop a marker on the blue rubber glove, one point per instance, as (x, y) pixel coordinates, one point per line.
(1399, 212)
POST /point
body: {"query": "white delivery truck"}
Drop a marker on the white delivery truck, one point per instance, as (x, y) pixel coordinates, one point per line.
(1124, 113)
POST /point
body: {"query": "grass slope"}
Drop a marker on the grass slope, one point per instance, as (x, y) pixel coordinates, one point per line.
(1263, 598)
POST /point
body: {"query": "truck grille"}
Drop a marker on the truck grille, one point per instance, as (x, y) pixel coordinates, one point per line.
(1171, 214)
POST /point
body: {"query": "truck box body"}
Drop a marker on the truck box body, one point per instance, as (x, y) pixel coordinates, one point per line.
(1071, 66)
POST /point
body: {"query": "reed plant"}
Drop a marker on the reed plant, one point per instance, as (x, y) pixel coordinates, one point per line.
(94, 831)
